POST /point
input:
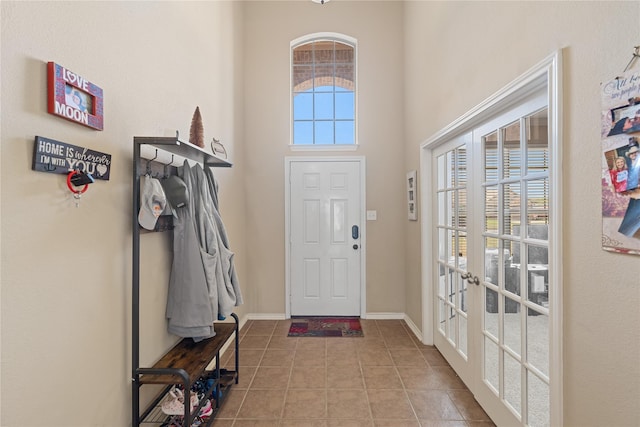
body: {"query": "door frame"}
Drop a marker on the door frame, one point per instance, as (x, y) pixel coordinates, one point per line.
(288, 160)
(547, 72)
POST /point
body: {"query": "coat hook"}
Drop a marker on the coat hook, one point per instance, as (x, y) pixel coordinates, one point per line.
(166, 172)
(636, 54)
(149, 163)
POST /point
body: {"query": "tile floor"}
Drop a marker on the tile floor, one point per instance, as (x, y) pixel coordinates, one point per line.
(388, 378)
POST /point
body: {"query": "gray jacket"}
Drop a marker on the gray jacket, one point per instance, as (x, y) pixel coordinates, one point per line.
(203, 285)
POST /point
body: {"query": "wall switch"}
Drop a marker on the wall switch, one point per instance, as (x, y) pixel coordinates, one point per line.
(372, 215)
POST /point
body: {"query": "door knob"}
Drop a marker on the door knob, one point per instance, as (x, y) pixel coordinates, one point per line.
(355, 246)
(470, 278)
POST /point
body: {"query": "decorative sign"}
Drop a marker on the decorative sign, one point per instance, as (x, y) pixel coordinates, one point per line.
(620, 135)
(54, 156)
(412, 195)
(73, 97)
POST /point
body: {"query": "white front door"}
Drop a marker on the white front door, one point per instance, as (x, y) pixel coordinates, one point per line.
(325, 220)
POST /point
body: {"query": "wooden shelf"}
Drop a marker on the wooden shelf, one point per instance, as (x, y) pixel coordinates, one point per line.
(191, 356)
(183, 149)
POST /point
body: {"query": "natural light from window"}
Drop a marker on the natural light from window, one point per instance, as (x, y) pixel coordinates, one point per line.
(323, 92)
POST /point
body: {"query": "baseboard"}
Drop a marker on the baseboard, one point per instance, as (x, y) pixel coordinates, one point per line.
(416, 331)
(385, 316)
(266, 316)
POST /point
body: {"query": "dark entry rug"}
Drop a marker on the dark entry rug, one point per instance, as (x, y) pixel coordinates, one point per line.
(325, 327)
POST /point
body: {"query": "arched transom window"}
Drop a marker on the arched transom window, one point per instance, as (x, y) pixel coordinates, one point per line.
(323, 79)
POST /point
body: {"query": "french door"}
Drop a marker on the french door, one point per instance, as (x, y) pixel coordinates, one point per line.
(491, 193)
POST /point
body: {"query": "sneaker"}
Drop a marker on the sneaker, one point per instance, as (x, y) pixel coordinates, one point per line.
(206, 410)
(174, 402)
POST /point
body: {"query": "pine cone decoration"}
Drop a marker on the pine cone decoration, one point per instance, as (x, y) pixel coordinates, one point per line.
(196, 133)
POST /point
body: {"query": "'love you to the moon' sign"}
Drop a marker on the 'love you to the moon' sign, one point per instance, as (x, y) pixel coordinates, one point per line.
(54, 156)
(73, 97)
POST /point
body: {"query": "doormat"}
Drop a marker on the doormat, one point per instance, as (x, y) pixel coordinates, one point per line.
(325, 327)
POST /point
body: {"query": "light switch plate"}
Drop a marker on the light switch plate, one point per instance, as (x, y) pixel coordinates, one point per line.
(372, 215)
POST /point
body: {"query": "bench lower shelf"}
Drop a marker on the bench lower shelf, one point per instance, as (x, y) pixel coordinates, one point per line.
(157, 417)
(184, 365)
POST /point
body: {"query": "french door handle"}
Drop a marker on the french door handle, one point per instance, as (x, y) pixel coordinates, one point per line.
(470, 278)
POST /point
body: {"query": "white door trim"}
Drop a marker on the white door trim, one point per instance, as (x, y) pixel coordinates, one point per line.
(363, 224)
(548, 72)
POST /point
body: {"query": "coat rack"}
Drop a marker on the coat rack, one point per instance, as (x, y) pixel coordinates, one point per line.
(186, 360)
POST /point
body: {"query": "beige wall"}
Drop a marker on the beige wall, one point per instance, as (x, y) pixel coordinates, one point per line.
(66, 271)
(378, 28)
(460, 53)
(422, 65)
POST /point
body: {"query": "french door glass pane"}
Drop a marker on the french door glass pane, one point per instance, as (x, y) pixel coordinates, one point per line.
(491, 157)
(491, 362)
(462, 207)
(511, 194)
(538, 341)
(512, 274)
(513, 382)
(537, 142)
(441, 315)
(463, 334)
(538, 274)
(451, 330)
(491, 312)
(450, 170)
(462, 250)
(511, 153)
(442, 280)
(512, 325)
(451, 291)
(451, 247)
(491, 209)
(491, 260)
(461, 161)
(450, 208)
(537, 401)
(537, 206)
(442, 244)
(462, 303)
(442, 209)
